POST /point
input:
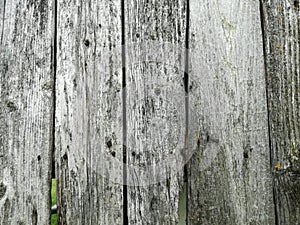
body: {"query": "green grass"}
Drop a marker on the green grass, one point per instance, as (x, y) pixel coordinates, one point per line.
(53, 201)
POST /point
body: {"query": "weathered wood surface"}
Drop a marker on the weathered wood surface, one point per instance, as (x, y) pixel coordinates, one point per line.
(155, 40)
(282, 52)
(245, 132)
(89, 112)
(26, 81)
(230, 177)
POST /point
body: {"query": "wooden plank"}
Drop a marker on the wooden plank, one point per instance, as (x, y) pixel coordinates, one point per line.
(155, 40)
(89, 112)
(26, 108)
(230, 178)
(282, 41)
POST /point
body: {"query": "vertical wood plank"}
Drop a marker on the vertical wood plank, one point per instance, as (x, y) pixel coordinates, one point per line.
(26, 107)
(282, 41)
(230, 177)
(89, 112)
(155, 40)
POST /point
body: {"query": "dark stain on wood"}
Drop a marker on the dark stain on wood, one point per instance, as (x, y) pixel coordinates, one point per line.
(11, 106)
(113, 153)
(2, 190)
(109, 144)
(87, 43)
(34, 216)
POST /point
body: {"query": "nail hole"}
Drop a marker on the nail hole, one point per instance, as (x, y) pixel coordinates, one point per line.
(39, 158)
(113, 154)
(87, 43)
(207, 138)
(109, 144)
(246, 156)
(65, 156)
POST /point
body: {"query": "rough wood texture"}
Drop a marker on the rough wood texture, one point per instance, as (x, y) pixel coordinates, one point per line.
(227, 118)
(26, 79)
(282, 41)
(89, 112)
(155, 37)
(230, 177)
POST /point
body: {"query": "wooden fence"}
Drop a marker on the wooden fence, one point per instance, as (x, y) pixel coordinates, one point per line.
(153, 112)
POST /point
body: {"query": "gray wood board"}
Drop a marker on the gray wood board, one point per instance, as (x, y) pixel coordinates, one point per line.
(229, 176)
(26, 108)
(155, 102)
(282, 39)
(89, 112)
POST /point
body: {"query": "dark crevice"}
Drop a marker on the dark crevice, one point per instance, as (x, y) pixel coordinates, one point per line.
(34, 216)
(125, 200)
(3, 18)
(263, 27)
(186, 87)
(54, 69)
(54, 58)
(296, 4)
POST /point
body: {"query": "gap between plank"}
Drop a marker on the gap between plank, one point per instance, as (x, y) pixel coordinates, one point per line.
(54, 58)
(54, 70)
(3, 24)
(262, 20)
(124, 115)
(186, 87)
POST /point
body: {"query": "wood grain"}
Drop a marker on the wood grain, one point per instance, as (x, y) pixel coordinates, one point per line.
(155, 39)
(245, 132)
(26, 107)
(89, 112)
(282, 44)
(230, 177)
